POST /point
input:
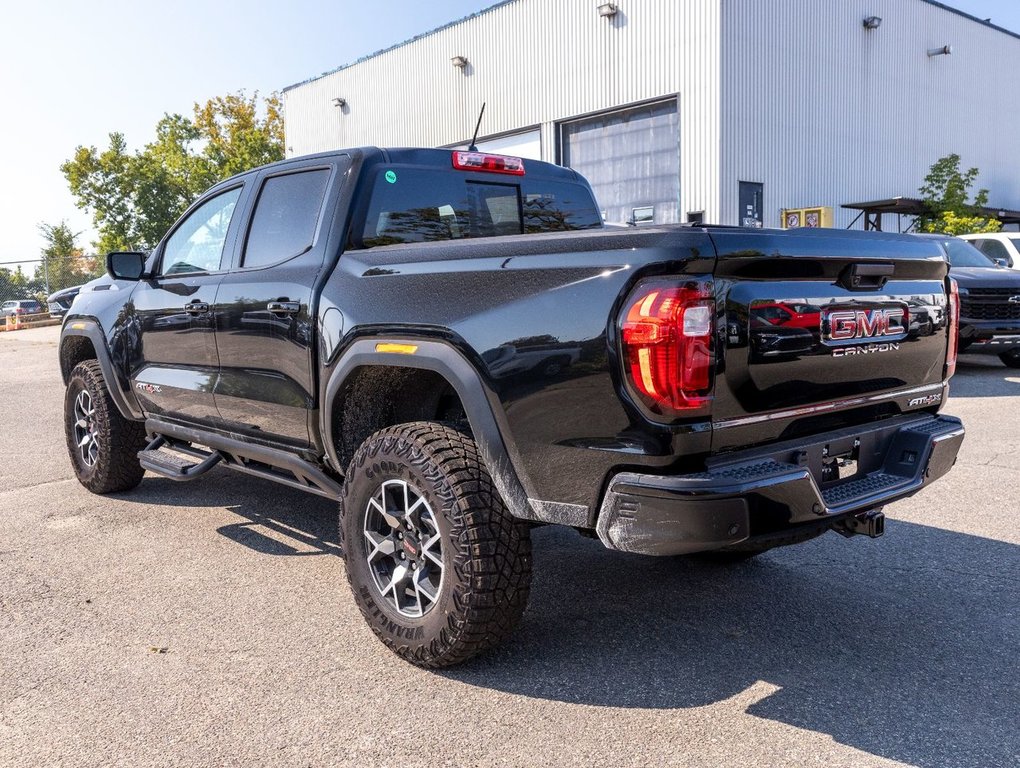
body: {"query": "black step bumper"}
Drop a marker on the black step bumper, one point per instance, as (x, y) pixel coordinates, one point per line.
(724, 506)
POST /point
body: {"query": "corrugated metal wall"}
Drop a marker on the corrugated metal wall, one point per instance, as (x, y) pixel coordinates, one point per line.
(824, 112)
(794, 94)
(535, 62)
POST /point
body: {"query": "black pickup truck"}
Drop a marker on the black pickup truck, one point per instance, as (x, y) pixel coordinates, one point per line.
(989, 301)
(454, 347)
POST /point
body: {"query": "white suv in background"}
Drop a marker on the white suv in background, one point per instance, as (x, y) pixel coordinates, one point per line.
(999, 246)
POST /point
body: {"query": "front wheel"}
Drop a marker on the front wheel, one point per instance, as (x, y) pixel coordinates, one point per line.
(438, 566)
(1011, 358)
(102, 444)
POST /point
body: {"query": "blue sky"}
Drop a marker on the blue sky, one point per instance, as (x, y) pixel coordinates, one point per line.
(72, 72)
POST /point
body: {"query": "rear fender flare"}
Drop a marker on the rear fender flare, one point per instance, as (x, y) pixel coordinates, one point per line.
(443, 359)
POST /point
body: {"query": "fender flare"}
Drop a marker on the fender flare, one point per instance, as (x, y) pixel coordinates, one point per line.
(443, 359)
(90, 329)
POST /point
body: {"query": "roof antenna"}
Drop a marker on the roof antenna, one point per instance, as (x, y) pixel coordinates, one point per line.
(478, 125)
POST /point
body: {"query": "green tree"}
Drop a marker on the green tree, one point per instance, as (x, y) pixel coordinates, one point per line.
(135, 197)
(63, 263)
(945, 192)
(237, 139)
(13, 284)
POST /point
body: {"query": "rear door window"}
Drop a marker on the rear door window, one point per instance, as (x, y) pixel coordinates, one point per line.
(414, 205)
(285, 218)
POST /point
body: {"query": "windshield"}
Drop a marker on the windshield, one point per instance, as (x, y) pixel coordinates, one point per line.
(963, 254)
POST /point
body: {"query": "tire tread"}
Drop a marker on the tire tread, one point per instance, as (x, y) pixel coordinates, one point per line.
(492, 549)
(120, 471)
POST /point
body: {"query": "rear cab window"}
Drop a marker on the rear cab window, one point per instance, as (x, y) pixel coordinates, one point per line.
(411, 204)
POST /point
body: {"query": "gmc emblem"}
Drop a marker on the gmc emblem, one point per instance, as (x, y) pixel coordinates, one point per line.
(844, 326)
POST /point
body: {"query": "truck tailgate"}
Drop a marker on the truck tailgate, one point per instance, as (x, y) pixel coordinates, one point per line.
(817, 325)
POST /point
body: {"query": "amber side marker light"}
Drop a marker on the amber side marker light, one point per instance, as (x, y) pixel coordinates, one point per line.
(77, 326)
(397, 349)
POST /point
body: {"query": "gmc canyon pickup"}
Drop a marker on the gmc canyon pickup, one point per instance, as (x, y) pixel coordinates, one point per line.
(454, 347)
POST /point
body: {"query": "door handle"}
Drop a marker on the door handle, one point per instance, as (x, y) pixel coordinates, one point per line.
(196, 307)
(284, 307)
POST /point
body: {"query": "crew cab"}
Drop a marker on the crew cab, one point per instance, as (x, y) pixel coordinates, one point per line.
(454, 347)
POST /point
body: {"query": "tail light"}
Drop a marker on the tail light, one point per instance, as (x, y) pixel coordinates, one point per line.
(666, 343)
(954, 327)
(480, 161)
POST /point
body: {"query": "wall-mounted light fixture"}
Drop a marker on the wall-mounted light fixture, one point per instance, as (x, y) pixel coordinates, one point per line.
(873, 22)
(340, 102)
(459, 61)
(608, 10)
(945, 50)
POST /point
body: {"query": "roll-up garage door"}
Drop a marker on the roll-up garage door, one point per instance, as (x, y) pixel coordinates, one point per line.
(632, 159)
(526, 144)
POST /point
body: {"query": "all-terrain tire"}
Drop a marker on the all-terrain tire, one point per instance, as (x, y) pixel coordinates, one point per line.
(486, 552)
(112, 463)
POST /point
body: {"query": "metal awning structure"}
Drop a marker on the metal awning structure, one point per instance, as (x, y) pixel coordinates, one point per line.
(912, 206)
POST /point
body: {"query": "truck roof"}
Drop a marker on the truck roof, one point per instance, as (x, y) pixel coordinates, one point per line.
(420, 156)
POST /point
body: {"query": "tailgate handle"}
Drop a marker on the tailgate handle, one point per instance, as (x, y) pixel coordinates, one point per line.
(863, 277)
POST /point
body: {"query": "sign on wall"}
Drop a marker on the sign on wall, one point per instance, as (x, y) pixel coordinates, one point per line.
(810, 218)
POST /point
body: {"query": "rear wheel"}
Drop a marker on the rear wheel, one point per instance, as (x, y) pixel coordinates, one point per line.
(102, 444)
(1011, 358)
(438, 566)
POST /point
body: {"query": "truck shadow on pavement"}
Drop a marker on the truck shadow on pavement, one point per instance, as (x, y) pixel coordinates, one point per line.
(903, 647)
(275, 520)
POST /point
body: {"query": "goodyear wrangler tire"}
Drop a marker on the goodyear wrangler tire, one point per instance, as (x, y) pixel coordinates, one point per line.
(102, 444)
(438, 566)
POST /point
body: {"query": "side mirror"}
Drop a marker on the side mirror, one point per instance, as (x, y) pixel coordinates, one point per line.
(126, 265)
(1002, 262)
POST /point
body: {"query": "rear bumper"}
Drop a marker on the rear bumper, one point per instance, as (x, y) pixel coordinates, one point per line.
(767, 490)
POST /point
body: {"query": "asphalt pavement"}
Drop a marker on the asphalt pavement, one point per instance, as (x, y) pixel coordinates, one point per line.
(209, 623)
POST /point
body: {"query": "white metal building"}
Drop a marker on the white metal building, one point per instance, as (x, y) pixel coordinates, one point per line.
(726, 110)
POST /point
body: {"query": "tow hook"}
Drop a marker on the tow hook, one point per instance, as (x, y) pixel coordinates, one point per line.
(871, 523)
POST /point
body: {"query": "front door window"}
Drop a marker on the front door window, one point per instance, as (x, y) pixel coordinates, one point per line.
(197, 244)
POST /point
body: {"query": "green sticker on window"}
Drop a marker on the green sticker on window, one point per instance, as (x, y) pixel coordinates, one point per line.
(391, 177)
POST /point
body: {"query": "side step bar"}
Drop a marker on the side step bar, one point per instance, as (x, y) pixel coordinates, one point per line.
(274, 464)
(173, 465)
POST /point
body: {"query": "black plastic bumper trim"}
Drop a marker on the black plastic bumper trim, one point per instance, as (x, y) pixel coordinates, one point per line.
(657, 515)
